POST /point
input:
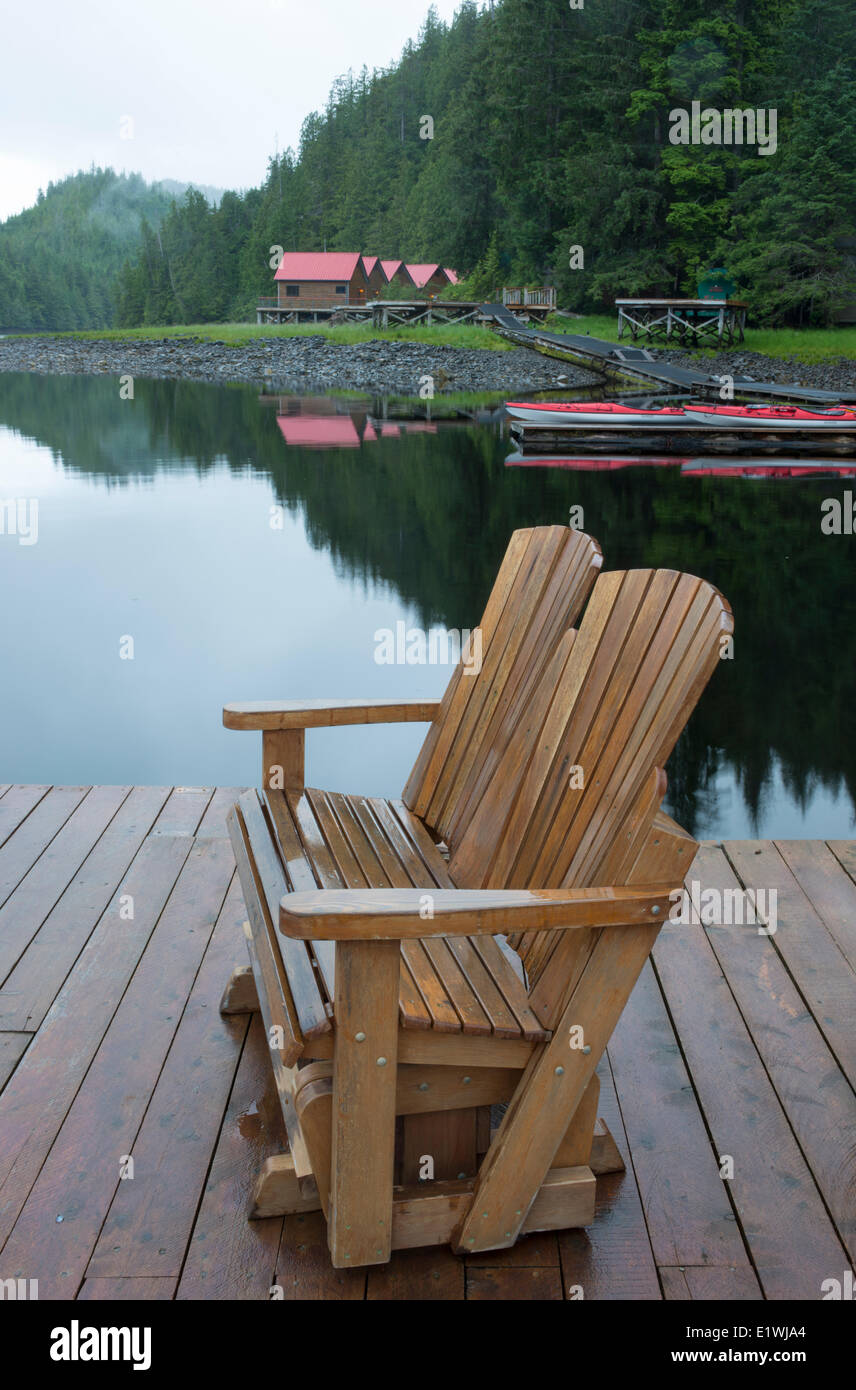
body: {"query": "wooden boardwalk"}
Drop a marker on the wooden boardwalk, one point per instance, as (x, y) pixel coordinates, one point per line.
(120, 920)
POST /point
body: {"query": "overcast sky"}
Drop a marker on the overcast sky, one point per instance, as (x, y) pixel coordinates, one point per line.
(208, 85)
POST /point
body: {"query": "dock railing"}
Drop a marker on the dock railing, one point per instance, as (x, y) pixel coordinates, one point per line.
(519, 297)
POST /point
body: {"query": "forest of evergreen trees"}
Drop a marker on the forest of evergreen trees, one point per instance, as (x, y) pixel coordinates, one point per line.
(59, 259)
(550, 131)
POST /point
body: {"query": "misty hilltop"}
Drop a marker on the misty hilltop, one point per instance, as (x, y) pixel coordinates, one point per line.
(59, 259)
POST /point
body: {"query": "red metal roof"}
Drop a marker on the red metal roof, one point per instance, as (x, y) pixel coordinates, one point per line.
(391, 268)
(452, 274)
(420, 274)
(318, 265)
(369, 263)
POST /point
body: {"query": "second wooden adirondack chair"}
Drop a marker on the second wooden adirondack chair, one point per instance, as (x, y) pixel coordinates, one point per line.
(377, 929)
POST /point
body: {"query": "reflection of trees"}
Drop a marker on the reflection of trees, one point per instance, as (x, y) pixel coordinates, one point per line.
(431, 516)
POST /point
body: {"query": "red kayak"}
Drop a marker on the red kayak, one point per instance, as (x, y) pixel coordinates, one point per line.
(608, 413)
(774, 417)
(611, 415)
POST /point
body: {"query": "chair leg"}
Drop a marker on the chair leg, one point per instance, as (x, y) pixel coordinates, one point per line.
(277, 1191)
(576, 1146)
(605, 1154)
(550, 1091)
(240, 995)
(314, 1106)
(588, 1140)
(365, 1060)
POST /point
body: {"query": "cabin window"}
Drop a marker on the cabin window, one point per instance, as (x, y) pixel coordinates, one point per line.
(292, 291)
(341, 289)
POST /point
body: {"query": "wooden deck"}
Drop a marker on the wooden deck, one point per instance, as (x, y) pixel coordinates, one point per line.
(120, 920)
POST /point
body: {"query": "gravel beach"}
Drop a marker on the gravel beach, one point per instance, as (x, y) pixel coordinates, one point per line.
(838, 374)
(314, 363)
(299, 364)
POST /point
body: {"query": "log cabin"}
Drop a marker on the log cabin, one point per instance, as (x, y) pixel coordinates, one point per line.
(396, 273)
(321, 279)
(375, 278)
(429, 278)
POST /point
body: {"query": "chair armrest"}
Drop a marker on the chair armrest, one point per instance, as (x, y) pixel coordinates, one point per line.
(384, 914)
(316, 714)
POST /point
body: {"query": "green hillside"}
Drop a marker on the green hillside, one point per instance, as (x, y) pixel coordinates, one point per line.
(551, 130)
(59, 259)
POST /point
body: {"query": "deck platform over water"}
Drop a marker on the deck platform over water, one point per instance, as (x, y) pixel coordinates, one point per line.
(729, 1083)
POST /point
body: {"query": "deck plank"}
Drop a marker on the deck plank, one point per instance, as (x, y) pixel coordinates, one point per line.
(12, 1048)
(127, 1290)
(810, 953)
(39, 890)
(709, 1282)
(213, 822)
(424, 1276)
(184, 810)
(81, 1173)
(36, 1099)
(828, 887)
(845, 853)
(813, 1090)
(32, 986)
(540, 1283)
(303, 1268)
(18, 802)
(150, 1219)
(687, 1209)
(793, 1242)
(230, 1257)
(32, 837)
(611, 1259)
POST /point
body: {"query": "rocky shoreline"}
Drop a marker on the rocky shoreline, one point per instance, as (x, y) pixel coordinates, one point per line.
(298, 364)
(837, 374)
(379, 366)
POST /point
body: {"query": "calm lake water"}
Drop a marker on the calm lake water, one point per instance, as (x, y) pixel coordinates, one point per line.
(252, 548)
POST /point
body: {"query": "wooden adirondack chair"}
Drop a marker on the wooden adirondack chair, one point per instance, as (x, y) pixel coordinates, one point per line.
(376, 927)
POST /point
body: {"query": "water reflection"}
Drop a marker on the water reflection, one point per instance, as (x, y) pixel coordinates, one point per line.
(690, 467)
(157, 518)
(323, 422)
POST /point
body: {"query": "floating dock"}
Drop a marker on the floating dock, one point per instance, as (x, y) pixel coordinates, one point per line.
(635, 364)
(572, 439)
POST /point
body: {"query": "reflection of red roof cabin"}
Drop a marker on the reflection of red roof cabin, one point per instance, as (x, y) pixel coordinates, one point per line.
(321, 279)
(319, 428)
(319, 431)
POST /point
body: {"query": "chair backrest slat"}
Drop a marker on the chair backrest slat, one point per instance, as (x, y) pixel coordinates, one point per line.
(594, 747)
(543, 582)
